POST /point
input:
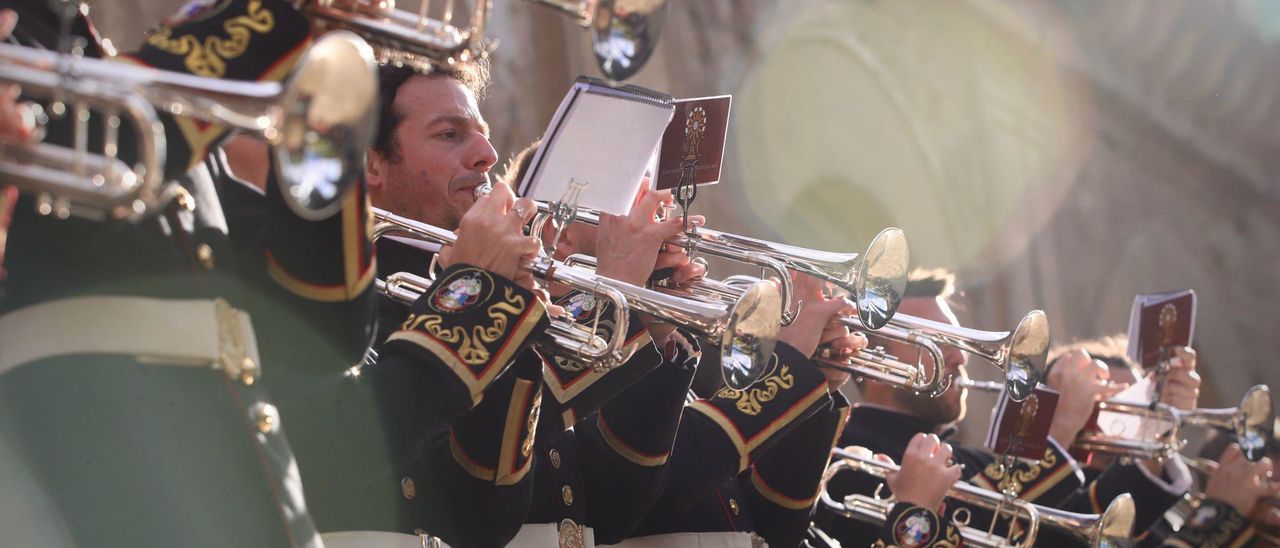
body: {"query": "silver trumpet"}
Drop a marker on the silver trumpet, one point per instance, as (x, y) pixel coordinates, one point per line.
(623, 32)
(401, 36)
(747, 331)
(743, 327)
(1019, 353)
(1113, 527)
(319, 123)
(1251, 422)
(878, 364)
(875, 279)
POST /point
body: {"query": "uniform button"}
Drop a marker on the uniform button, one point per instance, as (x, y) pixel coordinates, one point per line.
(204, 254)
(567, 494)
(185, 200)
(407, 488)
(733, 507)
(266, 417)
(555, 459)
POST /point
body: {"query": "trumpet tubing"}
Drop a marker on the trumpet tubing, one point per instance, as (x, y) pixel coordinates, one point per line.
(1020, 353)
(1114, 525)
(319, 123)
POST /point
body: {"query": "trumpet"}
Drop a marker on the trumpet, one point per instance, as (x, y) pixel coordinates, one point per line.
(623, 32)
(1019, 353)
(875, 278)
(878, 364)
(744, 328)
(1113, 527)
(1251, 422)
(320, 122)
(746, 331)
(401, 36)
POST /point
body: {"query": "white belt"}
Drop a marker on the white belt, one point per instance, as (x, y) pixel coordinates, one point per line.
(693, 540)
(190, 333)
(379, 539)
(532, 535)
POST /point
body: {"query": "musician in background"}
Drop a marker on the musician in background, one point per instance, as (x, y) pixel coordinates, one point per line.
(887, 417)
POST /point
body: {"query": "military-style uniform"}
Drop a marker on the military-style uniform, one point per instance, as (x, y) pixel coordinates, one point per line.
(515, 457)
(134, 378)
(1056, 480)
(1214, 524)
(751, 460)
(459, 392)
(1054, 477)
(911, 526)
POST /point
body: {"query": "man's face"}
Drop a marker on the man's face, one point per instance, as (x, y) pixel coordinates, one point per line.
(950, 406)
(443, 153)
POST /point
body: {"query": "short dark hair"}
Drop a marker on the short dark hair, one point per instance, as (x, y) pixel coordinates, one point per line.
(1111, 350)
(930, 283)
(391, 76)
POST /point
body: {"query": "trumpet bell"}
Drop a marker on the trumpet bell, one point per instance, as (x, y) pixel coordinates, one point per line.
(1027, 351)
(624, 34)
(882, 277)
(1255, 423)
(1115, 527)
(328, 115)
(750, 333)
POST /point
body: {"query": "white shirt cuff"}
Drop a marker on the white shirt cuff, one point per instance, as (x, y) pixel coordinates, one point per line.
(1179, 477)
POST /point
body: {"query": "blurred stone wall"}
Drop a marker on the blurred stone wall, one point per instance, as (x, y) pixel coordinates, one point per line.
(1060, 155)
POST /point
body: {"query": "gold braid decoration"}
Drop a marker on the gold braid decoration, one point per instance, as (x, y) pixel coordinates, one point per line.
(210, 58)
(1020, 476)
(751, 401)
(472, 349)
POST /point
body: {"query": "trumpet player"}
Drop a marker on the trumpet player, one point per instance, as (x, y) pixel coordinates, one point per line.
(886, 419)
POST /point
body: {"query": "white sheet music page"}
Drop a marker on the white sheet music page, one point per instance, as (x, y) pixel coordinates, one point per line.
(598, 146)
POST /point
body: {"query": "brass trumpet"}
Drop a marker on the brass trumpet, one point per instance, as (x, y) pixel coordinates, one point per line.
(319, 123)
(1019, 353)
(744, 327)
(1113, 527)
(401, 36)
(875, 278)
(1251, 422)
(746, 331)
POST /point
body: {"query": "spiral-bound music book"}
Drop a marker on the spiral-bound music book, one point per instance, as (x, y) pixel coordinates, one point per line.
(598, 146)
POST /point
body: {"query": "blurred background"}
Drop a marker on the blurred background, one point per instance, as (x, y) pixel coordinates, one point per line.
(1057, 154)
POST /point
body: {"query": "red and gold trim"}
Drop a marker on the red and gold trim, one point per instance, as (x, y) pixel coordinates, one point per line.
(773, 495)
(624, 449)
(567, 389)
(518, 433)
(327, 293)
(477, 381)
(460, 456)
(744, 444)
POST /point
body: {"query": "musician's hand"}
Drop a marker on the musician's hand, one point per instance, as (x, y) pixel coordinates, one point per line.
(817, 313)
(674, 256)
(1240, 483)
(491, 236)
(1182, 383)
(836, 345)
(627, 246)
(1081, 382)
(926, 473)
(16, 123)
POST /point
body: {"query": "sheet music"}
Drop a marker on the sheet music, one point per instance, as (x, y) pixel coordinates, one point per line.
(598, 146)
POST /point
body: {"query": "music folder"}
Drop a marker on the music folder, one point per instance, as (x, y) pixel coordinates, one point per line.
(598, 146)
(694, 141)
(1160, 321)
(1021, 429)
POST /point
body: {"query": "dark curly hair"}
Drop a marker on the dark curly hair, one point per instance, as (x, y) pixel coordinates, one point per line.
(391, 76)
